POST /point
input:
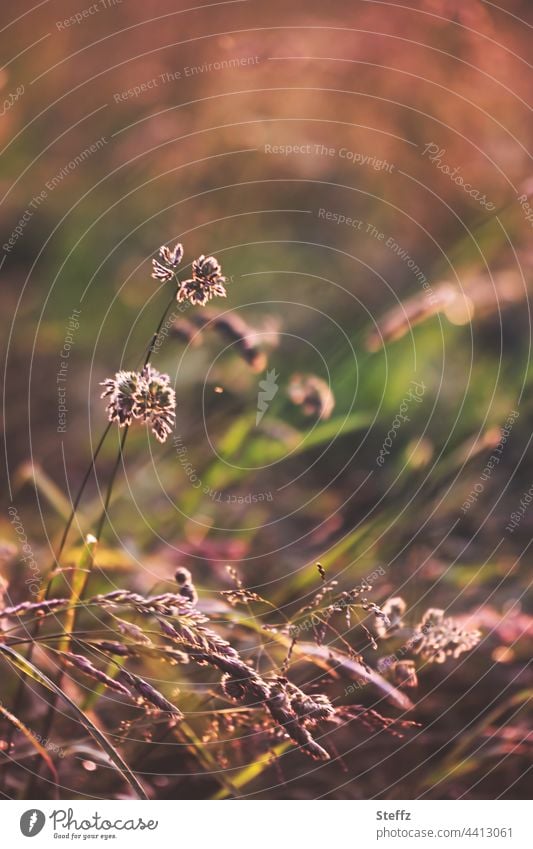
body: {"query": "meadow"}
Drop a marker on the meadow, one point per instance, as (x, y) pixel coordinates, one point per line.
(266, 326)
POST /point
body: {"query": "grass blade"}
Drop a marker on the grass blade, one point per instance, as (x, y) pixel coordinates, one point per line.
(253, 770)
(19, 725)
(39, 677)
(80, 575)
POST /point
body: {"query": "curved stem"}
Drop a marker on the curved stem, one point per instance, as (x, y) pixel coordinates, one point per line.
(19, 696)
(111, 482)
(101, 524)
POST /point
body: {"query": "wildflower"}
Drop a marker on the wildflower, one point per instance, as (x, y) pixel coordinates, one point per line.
(155, 402)
(171, 257)
(146, 396)
(160, 272)
(438, 637)
(121, 390)
(206, 282)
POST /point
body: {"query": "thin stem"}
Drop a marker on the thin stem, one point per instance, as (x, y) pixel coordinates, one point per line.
(75, 505)
(104, 515)
(19, 696)
(150, 349)
(101, 524)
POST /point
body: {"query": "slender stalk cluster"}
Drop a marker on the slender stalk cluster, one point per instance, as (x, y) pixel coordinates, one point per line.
(188, 630)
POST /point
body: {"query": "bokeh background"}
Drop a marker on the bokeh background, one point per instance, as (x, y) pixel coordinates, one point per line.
(248, 130)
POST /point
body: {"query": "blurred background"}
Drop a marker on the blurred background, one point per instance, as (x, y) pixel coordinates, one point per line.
(361, 172)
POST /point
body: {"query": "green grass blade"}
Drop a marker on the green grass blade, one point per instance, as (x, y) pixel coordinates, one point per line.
(253, 770)
(79, 578)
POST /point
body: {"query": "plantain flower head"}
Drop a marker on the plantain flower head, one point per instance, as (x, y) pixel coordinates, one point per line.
(171, 259)
(206, 282)
(145, 396)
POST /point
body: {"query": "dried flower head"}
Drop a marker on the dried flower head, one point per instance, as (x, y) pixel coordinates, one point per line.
(206, 282)
(121, 391)
(146, 396)
(438, 637)
(161, 272)
(171, 258)
(156, 402)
